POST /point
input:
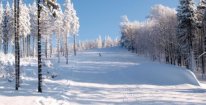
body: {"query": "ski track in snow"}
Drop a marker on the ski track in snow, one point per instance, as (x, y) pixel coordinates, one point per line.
(116, 78)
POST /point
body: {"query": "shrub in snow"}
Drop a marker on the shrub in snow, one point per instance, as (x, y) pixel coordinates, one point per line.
(47, 63)
(49, 71)
(28, 61)
(7, 66)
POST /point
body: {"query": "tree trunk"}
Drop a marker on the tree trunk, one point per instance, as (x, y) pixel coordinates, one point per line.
(39, 50)
(45, 51)
(34, 37)
(23, 45)
(28, 46)
(5, 42)
(75, 53)
(17, 52)
(50, 47)
(66, 49)
(58, 46)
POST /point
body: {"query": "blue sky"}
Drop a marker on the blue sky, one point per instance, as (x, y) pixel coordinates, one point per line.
(102, 17)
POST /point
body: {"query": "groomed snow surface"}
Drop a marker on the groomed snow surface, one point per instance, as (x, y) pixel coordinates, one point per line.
(117, 77)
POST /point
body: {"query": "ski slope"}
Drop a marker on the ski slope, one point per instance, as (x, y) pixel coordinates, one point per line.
(117, 77)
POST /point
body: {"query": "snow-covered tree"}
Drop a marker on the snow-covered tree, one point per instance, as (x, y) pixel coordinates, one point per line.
(6, 27)
(67, 25)
(46, 23)
(99, 42)
(108, 42)
(1, 23)
(74, 26)
(52, 6)
(186, 30)
(59, 31)
(155, 37)
(125, 40)
(165, 29)
(199, 43)
(116, 41)
(33, 22)
(24, 26)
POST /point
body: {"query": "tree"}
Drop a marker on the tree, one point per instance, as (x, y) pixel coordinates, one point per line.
(1, 23)
(46, 26)
(39, 48)
(125, 40)
(33, 22)
(74, 26)
(200, 37)
(67, 24)
(52, 6)
(165, 30)
(108, 42)
(58, 30)
(155, 37)
(25, 26)
(99, 42)
(6, 27)
(17, 49)
(186, 31)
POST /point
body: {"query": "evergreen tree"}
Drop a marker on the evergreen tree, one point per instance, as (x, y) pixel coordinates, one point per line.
(200, 37)
(125, 41)
(186, 30)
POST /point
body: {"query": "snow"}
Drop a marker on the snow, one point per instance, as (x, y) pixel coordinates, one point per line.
(6, 66)
(115, 78)
(6, 59)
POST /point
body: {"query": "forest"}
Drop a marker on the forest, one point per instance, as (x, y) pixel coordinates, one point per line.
(96, 52)
(174, 36)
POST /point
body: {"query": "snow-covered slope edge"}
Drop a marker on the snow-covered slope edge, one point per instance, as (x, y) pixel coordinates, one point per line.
(133, 69)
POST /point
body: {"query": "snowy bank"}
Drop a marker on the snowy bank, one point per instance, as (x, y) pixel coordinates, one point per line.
(118, 66)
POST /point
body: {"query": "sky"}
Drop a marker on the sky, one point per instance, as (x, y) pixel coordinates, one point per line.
(102, 17)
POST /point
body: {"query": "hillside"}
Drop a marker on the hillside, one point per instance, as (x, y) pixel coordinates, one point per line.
(117, 77)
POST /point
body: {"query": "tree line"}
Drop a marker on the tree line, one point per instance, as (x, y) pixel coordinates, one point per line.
(98, 43)
(174, 36)
(28, 30)
(63, 26)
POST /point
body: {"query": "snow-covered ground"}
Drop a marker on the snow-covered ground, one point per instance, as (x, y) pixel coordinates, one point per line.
(115, 78)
